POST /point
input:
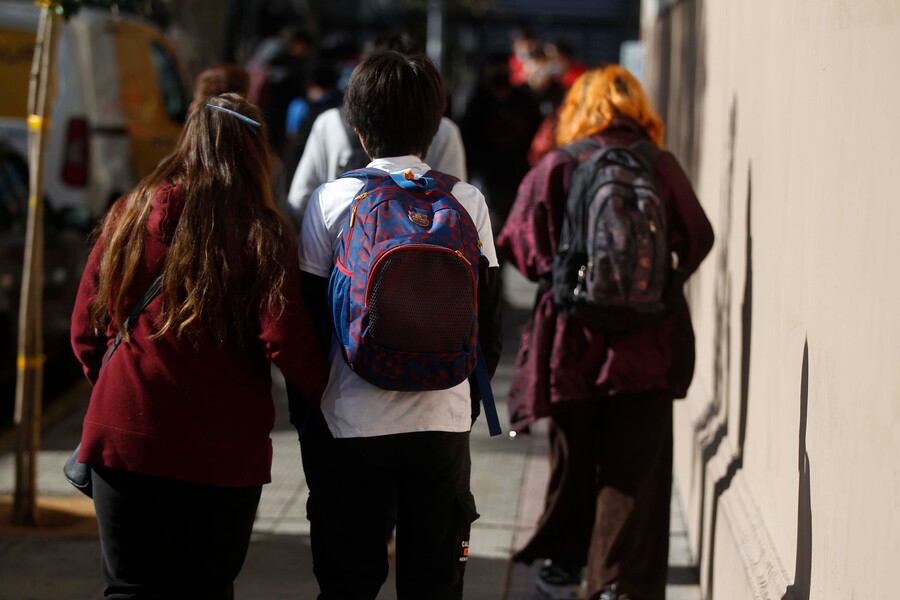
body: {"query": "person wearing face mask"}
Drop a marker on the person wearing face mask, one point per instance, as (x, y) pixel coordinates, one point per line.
(525, 44)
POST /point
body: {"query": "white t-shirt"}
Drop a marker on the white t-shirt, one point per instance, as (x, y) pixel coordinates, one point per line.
(352, 406)
(328, 147)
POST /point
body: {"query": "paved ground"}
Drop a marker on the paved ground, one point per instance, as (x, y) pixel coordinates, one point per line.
(59, 560)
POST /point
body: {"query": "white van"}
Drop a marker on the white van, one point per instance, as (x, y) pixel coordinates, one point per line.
(119, 107)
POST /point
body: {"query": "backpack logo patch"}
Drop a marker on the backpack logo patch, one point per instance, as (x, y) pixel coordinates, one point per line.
(419, 217)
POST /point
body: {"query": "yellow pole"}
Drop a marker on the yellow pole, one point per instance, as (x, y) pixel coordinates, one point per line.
(30, 363)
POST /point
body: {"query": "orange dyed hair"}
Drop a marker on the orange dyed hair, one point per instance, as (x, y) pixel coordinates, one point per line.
(600, 96)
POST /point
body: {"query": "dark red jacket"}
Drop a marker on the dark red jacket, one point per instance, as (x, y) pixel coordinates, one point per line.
(560, 360)
(166, 409)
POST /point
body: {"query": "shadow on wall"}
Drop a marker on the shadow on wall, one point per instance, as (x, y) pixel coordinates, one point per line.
(677, 72)
(737, 461)
(716, 414)
(799, 590)
(723, 283)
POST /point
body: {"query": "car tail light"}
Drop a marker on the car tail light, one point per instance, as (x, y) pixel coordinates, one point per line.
(77, 157)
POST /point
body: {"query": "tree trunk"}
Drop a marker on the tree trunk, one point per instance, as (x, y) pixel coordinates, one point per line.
(30, 362)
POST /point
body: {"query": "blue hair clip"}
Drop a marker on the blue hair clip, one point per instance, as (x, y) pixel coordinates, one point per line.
(250, 123)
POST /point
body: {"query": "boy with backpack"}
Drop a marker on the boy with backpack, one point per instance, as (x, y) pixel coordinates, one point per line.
(390, 255)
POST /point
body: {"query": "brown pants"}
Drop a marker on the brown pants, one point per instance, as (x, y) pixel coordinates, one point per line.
(609, 493)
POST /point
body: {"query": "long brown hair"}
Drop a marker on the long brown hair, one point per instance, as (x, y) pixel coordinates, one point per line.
(225, 258)
(598, 98)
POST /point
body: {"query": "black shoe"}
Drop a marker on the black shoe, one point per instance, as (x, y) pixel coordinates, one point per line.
(560, 582)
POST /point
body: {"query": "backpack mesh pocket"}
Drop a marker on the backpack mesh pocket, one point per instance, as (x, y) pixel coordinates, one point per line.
(421, 300)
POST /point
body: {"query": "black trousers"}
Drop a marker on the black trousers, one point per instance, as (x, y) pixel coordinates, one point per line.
(609, 494)
(166, 539)
(352, 485)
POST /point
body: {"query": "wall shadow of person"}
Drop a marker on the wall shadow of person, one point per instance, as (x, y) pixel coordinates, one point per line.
(716, 414)
(799, 590)
(737, 461)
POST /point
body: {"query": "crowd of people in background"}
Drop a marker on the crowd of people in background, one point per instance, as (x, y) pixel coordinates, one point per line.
(506, 121)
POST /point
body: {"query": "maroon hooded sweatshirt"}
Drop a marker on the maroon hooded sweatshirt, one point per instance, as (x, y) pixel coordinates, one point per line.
(165, 408)
(561, 361)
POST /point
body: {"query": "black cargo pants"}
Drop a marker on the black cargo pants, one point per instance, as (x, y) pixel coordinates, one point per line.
(352, 482)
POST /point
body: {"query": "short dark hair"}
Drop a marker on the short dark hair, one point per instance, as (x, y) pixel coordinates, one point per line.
(394, 40)
(395, 101)
(322, 73)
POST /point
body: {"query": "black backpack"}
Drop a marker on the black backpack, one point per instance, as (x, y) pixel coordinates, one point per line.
(612, 263)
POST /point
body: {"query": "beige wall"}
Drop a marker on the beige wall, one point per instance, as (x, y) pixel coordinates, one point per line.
(787, 115)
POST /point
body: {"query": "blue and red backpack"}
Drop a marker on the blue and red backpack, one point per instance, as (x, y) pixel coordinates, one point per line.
(404, 290)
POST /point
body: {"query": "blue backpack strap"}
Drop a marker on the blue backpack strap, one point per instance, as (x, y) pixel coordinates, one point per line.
(443, 180)
(446, 182)
(487, 394)
(430, 180)
(425, 182)
(407, 181)
(364, 174)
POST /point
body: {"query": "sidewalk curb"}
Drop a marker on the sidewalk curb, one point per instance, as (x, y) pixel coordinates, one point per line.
(69, 517)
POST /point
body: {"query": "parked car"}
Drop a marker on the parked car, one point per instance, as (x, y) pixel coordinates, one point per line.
(65, 254)
(119, 108)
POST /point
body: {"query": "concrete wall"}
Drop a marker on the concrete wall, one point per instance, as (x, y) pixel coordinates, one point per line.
(785, 113)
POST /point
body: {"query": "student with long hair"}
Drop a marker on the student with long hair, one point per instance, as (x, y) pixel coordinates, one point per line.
(608, 395)
(177, 430)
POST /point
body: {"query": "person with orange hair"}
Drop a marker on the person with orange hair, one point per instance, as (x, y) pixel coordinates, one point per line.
(608, 394)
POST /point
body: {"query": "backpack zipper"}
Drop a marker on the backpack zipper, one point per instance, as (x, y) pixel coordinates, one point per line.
(356, 207)
(460, 254)
(350, 228)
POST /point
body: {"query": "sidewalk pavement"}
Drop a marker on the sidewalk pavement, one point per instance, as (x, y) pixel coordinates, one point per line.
(60, 559)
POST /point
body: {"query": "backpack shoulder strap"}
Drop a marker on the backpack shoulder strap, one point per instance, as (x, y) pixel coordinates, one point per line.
(148, 296)
(487, 394)
(364, 174)
(581, 148)
(647, 152)
(643, 148)
(371, 178)
(443, 180)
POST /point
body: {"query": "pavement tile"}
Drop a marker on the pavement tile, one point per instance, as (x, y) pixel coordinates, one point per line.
(293, 526)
